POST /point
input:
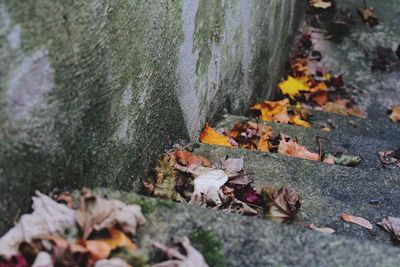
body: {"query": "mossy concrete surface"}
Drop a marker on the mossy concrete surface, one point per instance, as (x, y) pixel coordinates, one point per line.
(352, 139)
(91, 92)
(248, 241)
(327, 191)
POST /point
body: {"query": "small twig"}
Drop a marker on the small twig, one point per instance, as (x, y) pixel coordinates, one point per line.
(321, 149)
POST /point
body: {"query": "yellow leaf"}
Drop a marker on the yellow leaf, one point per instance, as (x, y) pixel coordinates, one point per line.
(292, 87)
(395, 116)
(274, 111)
(212, 137)
(296, 120)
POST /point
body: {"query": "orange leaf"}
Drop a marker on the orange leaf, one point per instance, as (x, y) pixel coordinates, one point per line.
(98, 249)
(320, 98)
(395, 116)
(292, 148)
(343, 107)
(274, 111)
(357, 220)
(187, 158)
(212, 137)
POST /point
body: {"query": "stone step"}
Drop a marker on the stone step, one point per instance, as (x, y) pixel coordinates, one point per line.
(337, 140)
(247, 241)
(327, 191)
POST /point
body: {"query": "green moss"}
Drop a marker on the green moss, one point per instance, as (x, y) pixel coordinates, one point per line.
(209, 245)
(209, 24)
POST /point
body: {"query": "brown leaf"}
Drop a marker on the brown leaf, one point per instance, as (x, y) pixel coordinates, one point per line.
(48, 217)
(99, 213)
(289, 147)
(391, 225)
(166, 176)
(324, 230)
(273, 111)
(395, 115)
(186, 158)
(191, 257)
(343, 107)
(357, 220)
(281, 205)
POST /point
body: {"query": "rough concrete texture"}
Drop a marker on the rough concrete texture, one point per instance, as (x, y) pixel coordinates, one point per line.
(380, 90)
(248, 241)
(327, 191)
(92, 92)
(348, 140)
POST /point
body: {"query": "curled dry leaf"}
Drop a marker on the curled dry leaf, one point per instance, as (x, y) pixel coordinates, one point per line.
(357, 220)
(48, 217)
(395, 115)
(289, 147)
(341, 159)
(190, 257)
(390, 157)
(43, 259)
(99, 213)
(368, 16)
(212, 137)
(281, 205)
(391, 225)
(324, 230)
(324, 4)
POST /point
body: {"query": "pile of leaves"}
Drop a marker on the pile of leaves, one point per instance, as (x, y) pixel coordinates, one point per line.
(98, 233)
(184, 177)
(282, 112)
(309, 83)
(256, 136)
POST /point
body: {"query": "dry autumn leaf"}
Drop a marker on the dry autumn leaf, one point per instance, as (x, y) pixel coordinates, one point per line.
(324, 230)
(96, 213)
(343, 107)
(281, 205)
(357, 220)
(274, 111)
(391, 225)
(113, 262)
(395, 115)
(289, 147)
(186, 158)
(190, 258)
(212, 137)
(292, 87)
(324, 4)
(48, 217)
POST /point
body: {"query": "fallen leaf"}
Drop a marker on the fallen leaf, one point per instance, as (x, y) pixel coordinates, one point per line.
(273, 111)
(395, 115)
(165, 186)
(292, 87)
(251, 135)
(390, 157)
(190, 258)
(343, 107)
(324, 4)
(391, 225)
(186, 158)
(324, 230)
(342, 159)
(48, 217)
(99, 213)
(43, 259)
(289, 147)
(281, 205)
(212, 137)
(206, 178)
(296, 120)
(357, 220)
(368, 16)
(249, 195)
(15, 261)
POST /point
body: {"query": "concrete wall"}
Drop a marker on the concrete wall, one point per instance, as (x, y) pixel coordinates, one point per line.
(92, 91)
